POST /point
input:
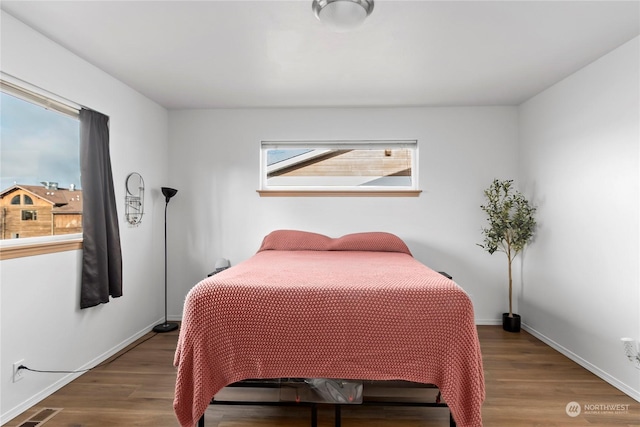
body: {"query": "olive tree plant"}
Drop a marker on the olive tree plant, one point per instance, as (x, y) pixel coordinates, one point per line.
(511, 223)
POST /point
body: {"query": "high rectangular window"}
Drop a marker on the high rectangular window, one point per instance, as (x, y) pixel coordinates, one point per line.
(358, 166)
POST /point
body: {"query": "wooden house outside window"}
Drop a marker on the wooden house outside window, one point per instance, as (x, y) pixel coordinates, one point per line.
(32, 210)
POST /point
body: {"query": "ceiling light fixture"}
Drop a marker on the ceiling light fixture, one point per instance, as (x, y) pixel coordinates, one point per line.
(342, 15)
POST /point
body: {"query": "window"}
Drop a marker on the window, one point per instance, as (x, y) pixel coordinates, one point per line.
(39, 165)
(349, 167)
(29, 215)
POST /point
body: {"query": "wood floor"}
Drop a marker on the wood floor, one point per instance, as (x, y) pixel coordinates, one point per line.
(527, 384)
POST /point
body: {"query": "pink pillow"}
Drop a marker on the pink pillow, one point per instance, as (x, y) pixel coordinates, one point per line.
(373, 242)
(294, 240)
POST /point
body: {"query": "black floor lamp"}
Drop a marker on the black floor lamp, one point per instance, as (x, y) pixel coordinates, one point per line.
(166, 326)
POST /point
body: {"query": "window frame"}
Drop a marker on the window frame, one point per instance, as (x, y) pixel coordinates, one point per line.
(31, 246)
(266, 190)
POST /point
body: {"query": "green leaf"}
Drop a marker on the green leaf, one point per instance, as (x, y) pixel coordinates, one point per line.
(510, 217)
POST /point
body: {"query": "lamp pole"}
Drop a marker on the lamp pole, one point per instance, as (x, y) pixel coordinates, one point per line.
(166, 326)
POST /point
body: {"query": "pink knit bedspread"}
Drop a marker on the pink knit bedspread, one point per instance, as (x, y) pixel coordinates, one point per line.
(335, 313)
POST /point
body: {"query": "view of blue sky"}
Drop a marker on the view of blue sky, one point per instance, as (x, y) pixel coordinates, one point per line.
(37, 145)
(277, 156)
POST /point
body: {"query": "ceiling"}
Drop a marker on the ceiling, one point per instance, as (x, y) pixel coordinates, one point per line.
(228, 54)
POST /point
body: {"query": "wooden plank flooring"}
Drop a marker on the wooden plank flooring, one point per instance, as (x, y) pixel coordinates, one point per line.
(527, 384)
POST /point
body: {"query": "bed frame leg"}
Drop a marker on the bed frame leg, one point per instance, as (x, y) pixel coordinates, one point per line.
(452, 422)
(314, 415)
(201, 421)
(338, 416)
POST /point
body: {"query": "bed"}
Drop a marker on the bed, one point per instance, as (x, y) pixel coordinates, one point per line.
(310, 306)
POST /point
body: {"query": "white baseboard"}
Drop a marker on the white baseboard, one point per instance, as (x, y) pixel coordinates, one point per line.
(48, 391)
(626, 389)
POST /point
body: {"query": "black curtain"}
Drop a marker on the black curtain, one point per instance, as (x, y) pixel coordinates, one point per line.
(101, 255)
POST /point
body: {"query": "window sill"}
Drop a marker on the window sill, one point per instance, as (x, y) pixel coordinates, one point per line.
(342, 193)
(20, 251)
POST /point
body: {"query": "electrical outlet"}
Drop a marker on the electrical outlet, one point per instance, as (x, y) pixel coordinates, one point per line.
(17, 373)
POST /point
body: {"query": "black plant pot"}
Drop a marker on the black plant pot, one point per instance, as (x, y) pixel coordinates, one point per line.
(511, 324)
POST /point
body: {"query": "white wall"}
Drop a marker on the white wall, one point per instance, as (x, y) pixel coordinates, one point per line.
(579, 162)
(217, 212)
(39, 311)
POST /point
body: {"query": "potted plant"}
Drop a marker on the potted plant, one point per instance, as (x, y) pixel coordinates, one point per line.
(511, 226)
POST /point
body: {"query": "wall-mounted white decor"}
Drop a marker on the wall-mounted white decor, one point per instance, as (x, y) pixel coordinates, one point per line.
(134, 198)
